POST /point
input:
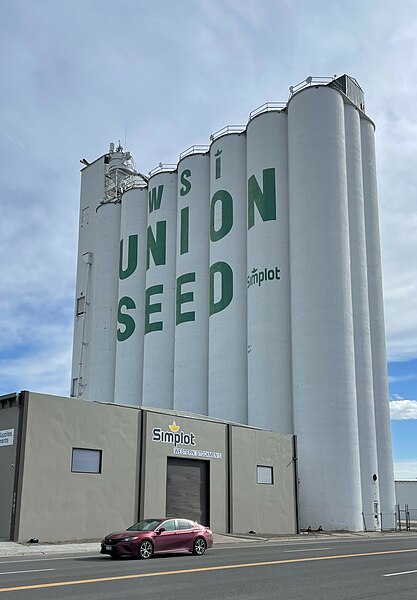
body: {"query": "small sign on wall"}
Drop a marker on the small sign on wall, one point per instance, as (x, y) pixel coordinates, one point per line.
(6, 437)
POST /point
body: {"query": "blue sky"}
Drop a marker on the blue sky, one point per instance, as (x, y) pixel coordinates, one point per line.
(77, 75)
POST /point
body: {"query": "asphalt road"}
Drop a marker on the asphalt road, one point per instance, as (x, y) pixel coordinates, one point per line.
(327, 569)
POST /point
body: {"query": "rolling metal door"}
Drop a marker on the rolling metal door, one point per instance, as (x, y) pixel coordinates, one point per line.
(188, 489)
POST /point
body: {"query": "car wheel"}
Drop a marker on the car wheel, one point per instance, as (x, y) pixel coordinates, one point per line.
(145, 549)
(199, 546)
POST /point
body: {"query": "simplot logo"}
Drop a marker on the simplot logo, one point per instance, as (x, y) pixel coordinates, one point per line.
(263, 275)
(173, 436)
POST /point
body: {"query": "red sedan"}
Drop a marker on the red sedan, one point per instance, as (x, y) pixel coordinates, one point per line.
(150, 536)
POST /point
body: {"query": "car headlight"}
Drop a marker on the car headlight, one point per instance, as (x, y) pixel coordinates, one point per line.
(128, 539)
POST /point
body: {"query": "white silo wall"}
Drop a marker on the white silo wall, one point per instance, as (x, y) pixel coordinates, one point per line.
(103, 334)
(268, 275)
(192, 285)
(361, 320)
(227, 322)
(376, 309)
(92, 191)
(131, 301)
(158, 360)
(325, 412)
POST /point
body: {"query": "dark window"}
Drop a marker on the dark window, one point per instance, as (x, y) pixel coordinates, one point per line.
(85, 460)
(184, 524)
(146, 525)
(169, 525)
(80, 305)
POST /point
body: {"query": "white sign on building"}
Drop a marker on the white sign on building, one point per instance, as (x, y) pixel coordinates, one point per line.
(6, 437)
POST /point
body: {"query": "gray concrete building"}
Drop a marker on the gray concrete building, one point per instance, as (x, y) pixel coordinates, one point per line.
(75, 470)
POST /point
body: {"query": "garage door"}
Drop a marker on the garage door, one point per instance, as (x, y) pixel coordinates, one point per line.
(188, 489)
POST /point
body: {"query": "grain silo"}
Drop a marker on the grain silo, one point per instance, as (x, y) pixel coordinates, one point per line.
(245, 284)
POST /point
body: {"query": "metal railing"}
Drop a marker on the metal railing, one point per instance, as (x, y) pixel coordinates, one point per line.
(380, 521)
(227, 130)
(308, 82)
(406, 518)
(202, 149)
(268, 106)
(163, 168)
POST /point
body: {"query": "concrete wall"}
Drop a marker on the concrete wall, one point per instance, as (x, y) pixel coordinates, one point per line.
(209, 436)
(261, 507)
(9, 419)
(57, 504)
(406, 493)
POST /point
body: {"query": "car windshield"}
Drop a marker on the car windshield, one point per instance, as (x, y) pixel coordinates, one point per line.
(146, 525)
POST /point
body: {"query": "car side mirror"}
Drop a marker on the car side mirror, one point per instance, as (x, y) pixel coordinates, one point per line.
(160, 530)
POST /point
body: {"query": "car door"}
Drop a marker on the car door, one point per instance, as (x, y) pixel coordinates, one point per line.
(166, 541)
(185, 534)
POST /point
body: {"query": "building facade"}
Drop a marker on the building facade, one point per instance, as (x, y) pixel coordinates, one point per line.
(244, 283)
(76, 470)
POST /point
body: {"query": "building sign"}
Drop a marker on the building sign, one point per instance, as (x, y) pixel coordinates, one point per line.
(176, 437)
(6, 437)
(173, 436)
(197, 453)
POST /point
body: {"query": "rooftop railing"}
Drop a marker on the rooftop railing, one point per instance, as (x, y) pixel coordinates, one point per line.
(194, 150)
(268, 106)
(227, 130)
(308, 82)
(163, 168)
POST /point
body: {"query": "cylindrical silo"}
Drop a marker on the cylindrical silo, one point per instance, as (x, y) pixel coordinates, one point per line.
(361, 321)
(268, 274)
(131, 301)
(192, 285)
(158, 358)
(227, 304)
(376, 309)
(103, 330)
(325, 412)
(92, 191)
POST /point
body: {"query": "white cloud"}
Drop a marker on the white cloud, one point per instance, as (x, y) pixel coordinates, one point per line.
(79, 76)
(402, 410)
(405, 469)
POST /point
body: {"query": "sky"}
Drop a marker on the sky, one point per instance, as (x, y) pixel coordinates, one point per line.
(162, 76)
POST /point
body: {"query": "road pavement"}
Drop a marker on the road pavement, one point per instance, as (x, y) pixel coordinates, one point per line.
(327, 568)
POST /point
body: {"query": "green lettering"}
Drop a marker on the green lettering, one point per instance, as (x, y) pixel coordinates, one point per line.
(155, 197)
(156, 247)
(226, 286)
(125, 319)
(265, 201)
(183, 298)
(226, 215)
(132, 258)
(184, 229)
(187, 184)
(218, 164)
(153, 308)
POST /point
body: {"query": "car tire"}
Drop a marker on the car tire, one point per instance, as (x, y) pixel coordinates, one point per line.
(199, 546)
(145, 550)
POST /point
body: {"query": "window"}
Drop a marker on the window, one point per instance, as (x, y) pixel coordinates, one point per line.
(264, 475)
(74, 387)
(85, 460)
(169, 525)
(184, 524)
(80, 305)
(84, 216)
